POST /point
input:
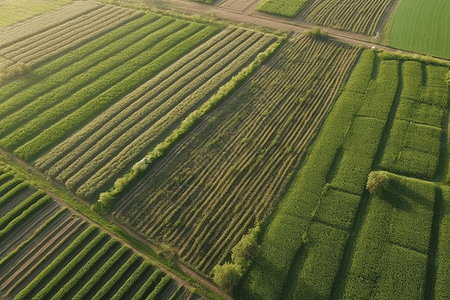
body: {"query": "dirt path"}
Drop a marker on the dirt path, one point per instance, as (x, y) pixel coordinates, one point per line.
(259, 19)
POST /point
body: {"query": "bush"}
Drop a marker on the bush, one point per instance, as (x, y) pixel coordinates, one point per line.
(376, 180)
(226, 276)
(245, 250)
(315, 33)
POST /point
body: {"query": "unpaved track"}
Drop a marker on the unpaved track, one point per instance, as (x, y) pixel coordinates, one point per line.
(249, 15)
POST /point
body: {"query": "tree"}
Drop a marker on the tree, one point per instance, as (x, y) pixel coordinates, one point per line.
(226, 276)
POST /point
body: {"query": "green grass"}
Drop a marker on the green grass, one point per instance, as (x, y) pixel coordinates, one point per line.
(422, 26)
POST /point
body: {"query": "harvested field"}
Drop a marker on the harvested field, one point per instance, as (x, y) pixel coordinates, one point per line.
(226, 175)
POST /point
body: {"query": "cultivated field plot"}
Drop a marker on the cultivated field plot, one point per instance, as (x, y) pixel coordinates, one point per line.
(358, 16)
(98, 153)
(422, 26)
(204, 194)
(49, 253)
(32, 43)
(18, 10)
(328, 238)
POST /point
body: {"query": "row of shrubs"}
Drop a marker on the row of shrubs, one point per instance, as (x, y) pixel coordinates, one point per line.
(107, 199)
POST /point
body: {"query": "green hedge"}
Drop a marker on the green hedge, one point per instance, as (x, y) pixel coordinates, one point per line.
(50, 269)
(442, 286)
(117, 163)
(107, 199)
(68, 124)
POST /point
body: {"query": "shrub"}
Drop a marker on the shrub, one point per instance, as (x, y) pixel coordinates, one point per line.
(245, 250)
(376, 180)
(315, 33)
(226, 276)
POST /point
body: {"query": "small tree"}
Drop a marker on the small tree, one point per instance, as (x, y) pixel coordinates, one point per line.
(376, 180)
(243, 253)
(226, 276)
(315, 33)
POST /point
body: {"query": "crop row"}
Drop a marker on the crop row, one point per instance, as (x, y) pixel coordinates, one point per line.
(220, 187)
(88, 251)
(130, 117)
(56, 264)
(79, 60)
(357, 16)
(38, 48)
(19, 186)
(184, 101)
(147, 284)
(45, 21)
(61, 156)
(70, 92)
(17, 210)
(131, 281)
(68, 124)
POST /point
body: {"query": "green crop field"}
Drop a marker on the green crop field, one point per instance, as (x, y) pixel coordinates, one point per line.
(48, 252)
(328, 238)
(422, 26)
(159, 150)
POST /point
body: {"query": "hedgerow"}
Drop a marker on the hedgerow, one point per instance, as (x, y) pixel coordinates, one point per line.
(133, 148)
(107, 199)
(68, 124)
(74, 246)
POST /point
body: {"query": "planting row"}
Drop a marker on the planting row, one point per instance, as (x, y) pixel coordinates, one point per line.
(59, 39)
(49, 253)
(205, 194)
(43, 121)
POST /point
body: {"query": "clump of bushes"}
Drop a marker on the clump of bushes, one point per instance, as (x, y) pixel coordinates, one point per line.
(376, 180)
(315, 33)
(226, 276)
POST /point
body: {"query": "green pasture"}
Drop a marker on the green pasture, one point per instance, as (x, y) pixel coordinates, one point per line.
(422, 26)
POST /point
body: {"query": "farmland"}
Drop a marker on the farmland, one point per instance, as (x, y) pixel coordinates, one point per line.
(328, 232)
(49, 252)
(349, 15)
(205, 194)
(27, 45)
(422, 26)
(19, 10)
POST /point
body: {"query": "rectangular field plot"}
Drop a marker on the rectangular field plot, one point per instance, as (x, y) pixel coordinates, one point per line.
(227, 174)
(414, 144)
(49, 253)
(391, 253)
